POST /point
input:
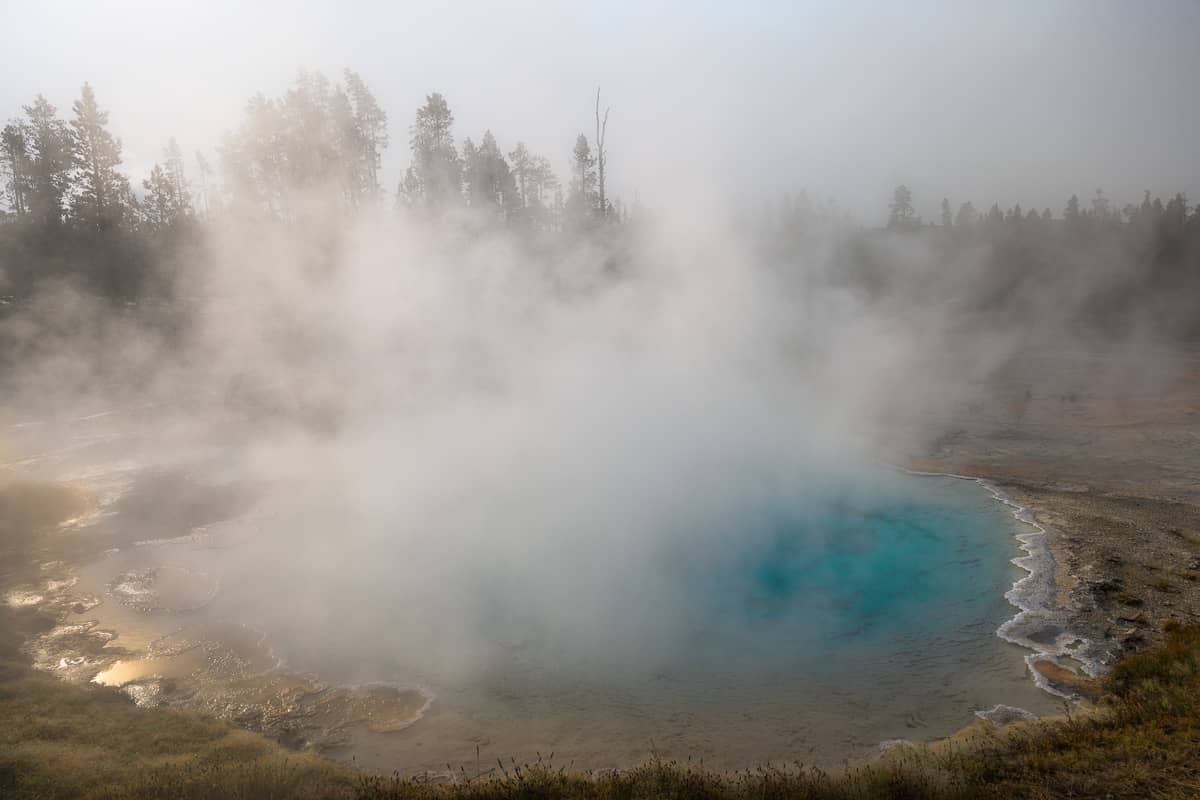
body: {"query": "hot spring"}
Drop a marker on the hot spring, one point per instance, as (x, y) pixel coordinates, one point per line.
(812, 618)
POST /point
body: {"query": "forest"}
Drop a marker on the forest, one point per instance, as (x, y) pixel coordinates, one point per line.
(310, 160)
(310, 155)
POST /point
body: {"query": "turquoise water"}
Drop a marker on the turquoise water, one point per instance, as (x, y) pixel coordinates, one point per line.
(850, 574)
(811, 624)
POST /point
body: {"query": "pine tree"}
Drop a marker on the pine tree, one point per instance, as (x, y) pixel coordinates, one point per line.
(1100, 207)
(966, 216)
(311, 156)
(436, 165)
(370, 124)
(48, 144)
(901, 214)
(581, 196)
(352, 171)
(252, 159)
(501, 186)
(158, 201)
(490, 184)
(100, 194)
(1193, 222)
(1072, 211)
(994, 221)
(206, 172)
(408, 193)
(167, 203)
(310, 151)
(1071, 215)
(521, 162)
(14, 153)
(534, 182)
(175, 171)
(472, 174)
(1175, 216)
(543, 183)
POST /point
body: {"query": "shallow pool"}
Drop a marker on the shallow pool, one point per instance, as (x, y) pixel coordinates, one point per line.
(808, 623)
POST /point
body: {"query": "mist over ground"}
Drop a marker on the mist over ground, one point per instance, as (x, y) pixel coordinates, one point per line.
(472, 388)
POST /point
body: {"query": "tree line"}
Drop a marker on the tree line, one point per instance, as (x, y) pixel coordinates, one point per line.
(313, 153)
(1173, 217)
(311, 157)
(1098, 268)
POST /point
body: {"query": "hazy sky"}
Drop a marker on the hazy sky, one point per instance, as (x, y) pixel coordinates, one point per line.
(1014, 102)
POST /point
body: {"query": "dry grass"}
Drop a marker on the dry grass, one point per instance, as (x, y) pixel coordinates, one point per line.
(59, 740)
(64, 741)
(1143, 741)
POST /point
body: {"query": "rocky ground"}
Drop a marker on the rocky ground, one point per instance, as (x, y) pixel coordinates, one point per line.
(1107, 459)
(222, 669)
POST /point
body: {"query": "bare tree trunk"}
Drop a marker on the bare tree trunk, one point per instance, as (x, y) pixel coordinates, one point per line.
(601, 129)
(17, 182)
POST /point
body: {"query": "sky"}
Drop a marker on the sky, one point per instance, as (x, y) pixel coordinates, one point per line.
(1020, 102)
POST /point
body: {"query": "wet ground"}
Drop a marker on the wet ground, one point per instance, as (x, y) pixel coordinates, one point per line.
(146, 602)
(1105, 452)
(134, 613)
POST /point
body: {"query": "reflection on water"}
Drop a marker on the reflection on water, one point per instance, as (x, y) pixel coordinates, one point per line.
(164, 589)
(207, 651)
(227, 670)
(136, 669)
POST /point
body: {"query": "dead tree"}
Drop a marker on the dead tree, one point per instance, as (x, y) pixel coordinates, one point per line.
(601, 158)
